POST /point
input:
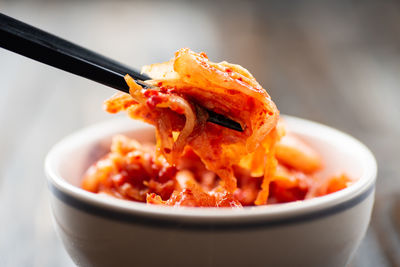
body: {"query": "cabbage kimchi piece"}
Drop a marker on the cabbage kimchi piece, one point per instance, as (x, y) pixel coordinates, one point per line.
(180, 92)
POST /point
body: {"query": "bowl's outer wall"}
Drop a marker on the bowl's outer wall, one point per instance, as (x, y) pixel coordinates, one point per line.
(97, 241)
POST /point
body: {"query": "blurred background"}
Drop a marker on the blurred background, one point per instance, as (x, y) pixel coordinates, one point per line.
(334, 62)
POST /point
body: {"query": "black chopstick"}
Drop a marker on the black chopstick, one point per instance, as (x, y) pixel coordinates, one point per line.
(44, 47)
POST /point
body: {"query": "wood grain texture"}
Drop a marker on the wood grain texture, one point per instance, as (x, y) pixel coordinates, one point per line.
(337, 63)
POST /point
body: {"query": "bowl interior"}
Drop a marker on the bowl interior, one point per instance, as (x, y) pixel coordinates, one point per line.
(69, 159)
(74, 162)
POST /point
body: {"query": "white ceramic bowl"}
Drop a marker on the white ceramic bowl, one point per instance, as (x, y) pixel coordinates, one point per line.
(103, 231)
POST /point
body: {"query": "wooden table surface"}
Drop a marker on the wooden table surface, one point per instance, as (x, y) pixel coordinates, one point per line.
(336, 63)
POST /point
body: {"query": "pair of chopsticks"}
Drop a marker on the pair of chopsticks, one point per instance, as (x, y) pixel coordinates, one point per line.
(44, 47)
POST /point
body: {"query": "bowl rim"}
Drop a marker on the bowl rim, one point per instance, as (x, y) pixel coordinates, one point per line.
(204, 218)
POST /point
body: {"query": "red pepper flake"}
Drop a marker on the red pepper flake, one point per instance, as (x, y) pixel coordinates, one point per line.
(163, 89)
(167, 150)
(240, 79)
(154, 100)
(202, 54)
(159, 84)
(149, 93)
(232, 92)
(228, 70)
(270, 113)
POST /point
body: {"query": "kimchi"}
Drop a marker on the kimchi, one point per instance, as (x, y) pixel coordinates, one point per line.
(200, 164)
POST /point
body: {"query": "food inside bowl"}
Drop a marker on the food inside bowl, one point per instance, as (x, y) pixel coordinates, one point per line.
(201, 164)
